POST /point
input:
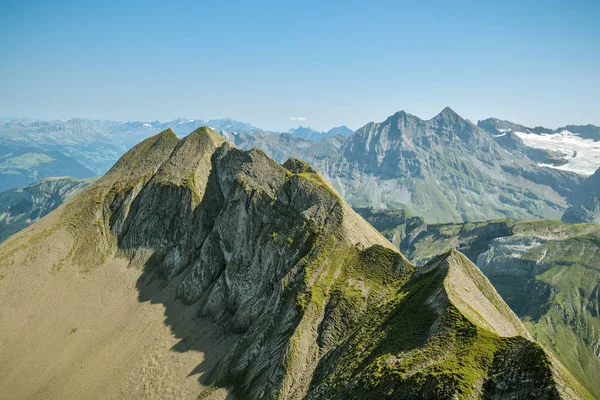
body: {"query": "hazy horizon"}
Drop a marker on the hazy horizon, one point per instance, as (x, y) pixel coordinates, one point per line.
(279, 65)
(304, 123)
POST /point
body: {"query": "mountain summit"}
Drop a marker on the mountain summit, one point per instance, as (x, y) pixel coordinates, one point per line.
(445, 169)
(193, 269)
(449, 115)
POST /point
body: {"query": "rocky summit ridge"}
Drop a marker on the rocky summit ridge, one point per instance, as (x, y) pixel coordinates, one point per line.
(193, 269)
(445, 169)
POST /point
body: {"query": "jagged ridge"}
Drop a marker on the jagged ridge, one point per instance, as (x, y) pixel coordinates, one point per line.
(275, 258)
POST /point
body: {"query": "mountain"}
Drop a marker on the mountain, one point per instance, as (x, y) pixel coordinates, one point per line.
(445, 169)
(21, 165)
(315, 136)
(230, 125)
(195, 270)
(305, 133)
(21, 207)
(585, 201)
(284, 146)
(546, 271)
(574, 148)
(340, 130)
(98, 144)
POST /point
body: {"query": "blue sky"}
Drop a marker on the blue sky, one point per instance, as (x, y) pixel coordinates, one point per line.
(333, 63)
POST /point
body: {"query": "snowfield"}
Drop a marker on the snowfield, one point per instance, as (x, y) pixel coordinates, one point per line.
(582, 155)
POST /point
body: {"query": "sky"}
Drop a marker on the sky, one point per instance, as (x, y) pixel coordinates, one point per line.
(314, 63)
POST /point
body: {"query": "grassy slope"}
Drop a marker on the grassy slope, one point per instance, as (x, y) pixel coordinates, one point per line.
(567, 322)
(404, 350)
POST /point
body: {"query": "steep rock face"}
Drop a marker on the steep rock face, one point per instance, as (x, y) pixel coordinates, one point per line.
(585, 201)
(586, 211)
(256, 248)
(20, 208)
(266, 279)
(444, 169)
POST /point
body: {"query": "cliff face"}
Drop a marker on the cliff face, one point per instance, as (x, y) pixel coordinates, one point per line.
(585, 201)
(191, 260)
(445, 169)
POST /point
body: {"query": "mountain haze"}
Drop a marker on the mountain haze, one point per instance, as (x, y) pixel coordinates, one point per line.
(22, 164)
(314, 136)
(98, 144)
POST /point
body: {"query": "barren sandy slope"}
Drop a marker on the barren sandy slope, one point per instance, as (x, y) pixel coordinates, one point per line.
(110, 346)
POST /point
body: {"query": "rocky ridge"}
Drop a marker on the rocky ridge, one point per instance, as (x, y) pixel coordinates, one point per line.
(445, 169)
(310, 300)
(548, 272)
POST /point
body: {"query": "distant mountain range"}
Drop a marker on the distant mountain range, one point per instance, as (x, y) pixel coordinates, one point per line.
(314, 135)
(97, 144)
(446, 169)
(22, 164)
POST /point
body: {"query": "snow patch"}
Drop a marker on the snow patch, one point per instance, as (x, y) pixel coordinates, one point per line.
(582, 155)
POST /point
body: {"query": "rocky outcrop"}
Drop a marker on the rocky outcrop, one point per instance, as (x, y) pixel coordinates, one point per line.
(308, 299)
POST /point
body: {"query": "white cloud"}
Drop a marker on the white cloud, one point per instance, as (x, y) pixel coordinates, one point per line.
(298, 119)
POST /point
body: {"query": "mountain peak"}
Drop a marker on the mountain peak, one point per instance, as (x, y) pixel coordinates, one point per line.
(401, 114)
(473, 294)
(447, 114)
(167, 133)
(208, 132)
